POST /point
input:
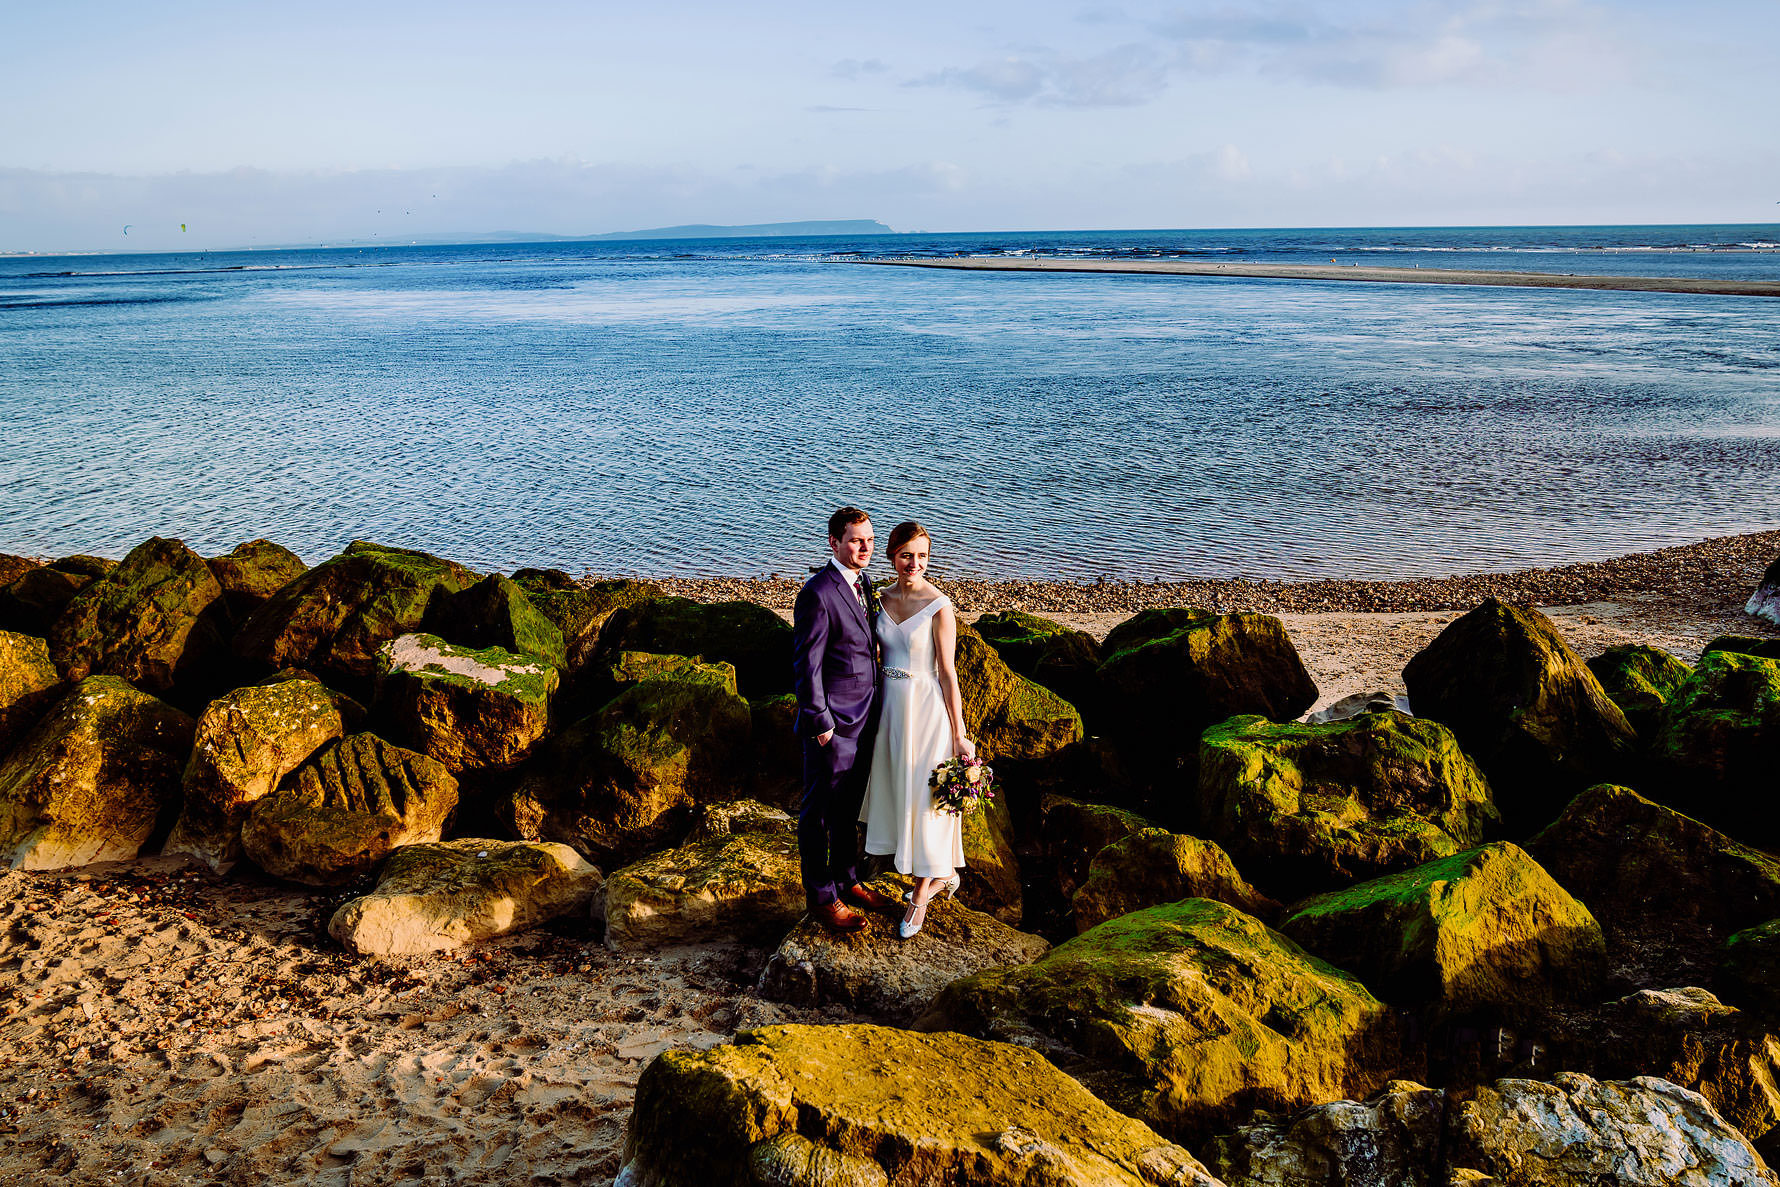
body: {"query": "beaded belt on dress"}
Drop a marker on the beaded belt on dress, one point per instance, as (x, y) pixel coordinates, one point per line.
(896, 673)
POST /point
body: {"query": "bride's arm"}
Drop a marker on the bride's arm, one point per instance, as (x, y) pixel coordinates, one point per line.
(945, 648)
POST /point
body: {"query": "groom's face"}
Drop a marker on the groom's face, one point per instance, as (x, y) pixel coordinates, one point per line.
(852, 547)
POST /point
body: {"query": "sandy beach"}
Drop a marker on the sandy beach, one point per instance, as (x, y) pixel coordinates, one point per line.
(1360, 272)
(159, 1025)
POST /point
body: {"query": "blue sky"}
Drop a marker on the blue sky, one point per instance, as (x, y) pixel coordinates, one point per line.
(262, 123)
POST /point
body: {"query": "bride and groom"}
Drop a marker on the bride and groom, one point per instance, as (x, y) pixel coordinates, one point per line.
(878, 708)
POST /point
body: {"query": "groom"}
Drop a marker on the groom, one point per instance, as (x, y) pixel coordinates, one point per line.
(835, 665)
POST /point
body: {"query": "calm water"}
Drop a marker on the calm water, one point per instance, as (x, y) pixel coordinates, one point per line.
(698, 408)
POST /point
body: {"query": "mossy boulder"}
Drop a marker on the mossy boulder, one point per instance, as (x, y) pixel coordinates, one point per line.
(1718, 747)
(439, 896)
(1187, 1016)
(1640, 679)
(1765, 601)
(1745, 645)
(627, 668)
(740, 884)
(750, 638)
(1046, 652)
(991, 873)
(1750, 972)
(580, 609)
(13, 567)
(1524, 705)
(247, 740)
(148, 620)
(1012, 720)
(1485, 932)
(867, 1106)
(470, 709)
(333, 619)
(1311, 807)
(29, 681)
(497, 612)
(778, 752)
(875, 972)
(1075, 831)
(1158, 690)
(32, 601)
(346, 809)
(252, 573)
(623, 782)
(1154, 866)
(93, 778)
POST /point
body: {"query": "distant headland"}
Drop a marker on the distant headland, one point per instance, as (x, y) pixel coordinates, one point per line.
(798, 230)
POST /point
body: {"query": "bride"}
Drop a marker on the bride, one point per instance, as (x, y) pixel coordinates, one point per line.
(921, 724)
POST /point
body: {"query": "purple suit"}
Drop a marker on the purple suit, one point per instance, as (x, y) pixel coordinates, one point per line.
(835, 669)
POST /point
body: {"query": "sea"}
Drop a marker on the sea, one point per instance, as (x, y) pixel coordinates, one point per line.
(698, 407)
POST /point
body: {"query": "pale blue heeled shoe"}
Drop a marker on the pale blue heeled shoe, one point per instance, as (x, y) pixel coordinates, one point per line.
(949, 887)
(909, 928)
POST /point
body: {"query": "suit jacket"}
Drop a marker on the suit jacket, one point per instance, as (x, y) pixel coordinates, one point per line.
(834, 657)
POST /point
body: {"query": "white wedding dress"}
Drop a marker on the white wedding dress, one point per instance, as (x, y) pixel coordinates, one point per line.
(914, 736)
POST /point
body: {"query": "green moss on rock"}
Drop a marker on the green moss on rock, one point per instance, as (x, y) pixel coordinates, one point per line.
(1750, 970)
(742, 886)
(29, 681)
(1045, 652)
(252, 573)
(497, 612)
(580, 609)
(36, 597)
(147, 620)
(1718, 747)
(1640, 679)
(1154, 866)
(1012, 719)
(750, 637)
(1766, 648)
(1075, 831)
(472, 709)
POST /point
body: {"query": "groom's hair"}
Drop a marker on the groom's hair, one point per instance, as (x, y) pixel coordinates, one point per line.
(837, 523)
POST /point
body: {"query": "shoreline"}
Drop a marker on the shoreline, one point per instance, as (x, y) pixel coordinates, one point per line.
(1355, 272)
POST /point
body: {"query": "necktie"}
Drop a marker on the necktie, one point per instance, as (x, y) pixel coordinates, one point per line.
(859, 590)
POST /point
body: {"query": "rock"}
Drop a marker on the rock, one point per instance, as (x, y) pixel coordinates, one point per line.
(1045, 652)
(875, 972)
(1186, 1016)
(1075, 832)
(778, 752)
(13, 567)
(1391, 1140)
(471, 710)
(623, 782)
(435, 897)
(1745, 645)
(496, 612)
(92, 779)
(333, 619)
(580, 610)
(251, 574)
(344, 810)
(1155, 866)
(737, 817)
(28, 683)
(1306, 808)
(1348, 708)
(736, 885)
(1580, 1132)
(991, 873)
(1765, 601)
(1014, 722)
(1523, 705)
(247, 740)
(864, 1106)
(1750, 973)
(148, 620)
(1640, 680)
(1718, 747)
(1485, 932)
(1160, 690)
(32, 601)
(751, 638)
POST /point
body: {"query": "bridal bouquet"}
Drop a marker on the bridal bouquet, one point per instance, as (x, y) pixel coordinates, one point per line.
(960, 785)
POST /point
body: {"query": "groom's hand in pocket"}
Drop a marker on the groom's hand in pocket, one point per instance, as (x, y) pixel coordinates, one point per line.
(825, 737)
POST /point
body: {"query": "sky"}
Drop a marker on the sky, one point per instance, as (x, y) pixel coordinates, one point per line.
(282, 124)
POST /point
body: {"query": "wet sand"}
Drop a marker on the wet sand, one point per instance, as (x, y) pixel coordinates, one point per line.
(1360, 272)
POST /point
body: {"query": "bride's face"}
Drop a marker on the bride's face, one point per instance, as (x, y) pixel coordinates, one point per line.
(911, 559)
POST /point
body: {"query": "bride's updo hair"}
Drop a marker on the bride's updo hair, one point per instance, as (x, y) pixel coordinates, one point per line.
(902, 533)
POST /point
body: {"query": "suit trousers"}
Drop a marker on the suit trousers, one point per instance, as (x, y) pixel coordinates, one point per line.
(834, 778)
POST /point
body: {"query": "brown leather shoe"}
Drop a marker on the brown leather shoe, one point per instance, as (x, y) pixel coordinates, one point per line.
(837, 916)
(861, 895)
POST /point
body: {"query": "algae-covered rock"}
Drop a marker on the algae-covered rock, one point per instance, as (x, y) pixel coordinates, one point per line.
(252, 573)
(1187, 1016)
(735, 817)
(435, 897)
(1045, 652)
(1160, 690)
(333, 619)
(13, 567)
(29, 681)
(1766, 648)
(1579, 1132)
(1310, 807)
(470, 709)
(32, 601)
(623, 781)
(738, 885)
(991, 872)
(875, 972)
(867, 1106)
(1718, 747)
(1392, 1140)
(1524, 705)
(1075, 831)
(778, 752)
(1765, 601)
(346, 809)
(497, 612)
(580, 609)
(91, 780)
(146, 620)
(247, 740)
(1640, 679)
(751, 638)
(1155, 866)
(1481, 932)
(1750, 972)
(1012, 719)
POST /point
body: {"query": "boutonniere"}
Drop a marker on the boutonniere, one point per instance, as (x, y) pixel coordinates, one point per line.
(872, 604)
